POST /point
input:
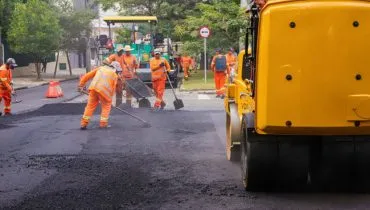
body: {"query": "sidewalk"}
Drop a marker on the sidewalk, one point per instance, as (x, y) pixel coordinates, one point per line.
(30, 81)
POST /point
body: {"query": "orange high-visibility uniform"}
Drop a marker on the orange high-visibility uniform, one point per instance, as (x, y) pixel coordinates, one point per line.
(159, 77)
(128, 72)
(116, 57)
(129, 65)
(129, 69)
(6, 88)
(220, 77)
(101, 89)
(186, 61)
(231, 61)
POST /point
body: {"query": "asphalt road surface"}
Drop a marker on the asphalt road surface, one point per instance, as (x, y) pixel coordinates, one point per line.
(34, 97)
(46, 162)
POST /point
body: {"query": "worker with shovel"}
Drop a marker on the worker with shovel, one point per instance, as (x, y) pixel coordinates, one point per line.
(129, 67)
(6, 89)
(159, 68)
(102, 88)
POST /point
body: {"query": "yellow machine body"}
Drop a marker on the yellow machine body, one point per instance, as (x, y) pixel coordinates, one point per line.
(239, 91)
(313, 68)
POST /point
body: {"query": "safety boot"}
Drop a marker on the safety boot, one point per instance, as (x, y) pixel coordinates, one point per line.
(83, 128)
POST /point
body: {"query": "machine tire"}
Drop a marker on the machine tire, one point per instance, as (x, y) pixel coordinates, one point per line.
(233, 134)
(144, 103)
(258, 161)
(293, 165)
(334, 164)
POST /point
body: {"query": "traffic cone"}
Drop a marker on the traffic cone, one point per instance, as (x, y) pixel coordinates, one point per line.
(52, 91)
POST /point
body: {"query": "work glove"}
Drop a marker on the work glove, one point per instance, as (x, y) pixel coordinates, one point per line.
(161, 65)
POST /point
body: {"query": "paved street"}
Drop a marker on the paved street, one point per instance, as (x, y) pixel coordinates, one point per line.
(46, 162)
(34, 97)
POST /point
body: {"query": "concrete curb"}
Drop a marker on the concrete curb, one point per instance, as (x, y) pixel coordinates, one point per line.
(45, 83)
(202, 91)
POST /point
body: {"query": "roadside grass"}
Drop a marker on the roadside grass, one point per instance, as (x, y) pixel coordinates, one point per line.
(196, 81)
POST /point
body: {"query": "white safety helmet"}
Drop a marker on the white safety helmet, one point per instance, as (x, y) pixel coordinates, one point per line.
(11, 61)
(117, 66)
(157, 51)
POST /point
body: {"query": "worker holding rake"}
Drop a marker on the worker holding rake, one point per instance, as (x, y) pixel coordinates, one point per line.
(102, 88)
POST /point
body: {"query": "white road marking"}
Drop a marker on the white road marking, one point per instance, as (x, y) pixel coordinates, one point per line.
(203, 97)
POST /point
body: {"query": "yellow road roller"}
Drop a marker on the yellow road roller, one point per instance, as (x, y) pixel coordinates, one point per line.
(298, 109)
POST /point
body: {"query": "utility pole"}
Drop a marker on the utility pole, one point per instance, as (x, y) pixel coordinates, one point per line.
(88, 54)
(243, 4)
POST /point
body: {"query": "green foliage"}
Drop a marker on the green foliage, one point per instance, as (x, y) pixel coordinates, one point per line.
(169, 12)
(225, 19)
(6, 10)
(123, 36)
(182, 20)
(34, 29)
(73, 23)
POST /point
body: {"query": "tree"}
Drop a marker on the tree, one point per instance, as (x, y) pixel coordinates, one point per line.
(73, 25)
(170, 12)
(124, 36)
(6, 10)
(224, 18)
(34, 30)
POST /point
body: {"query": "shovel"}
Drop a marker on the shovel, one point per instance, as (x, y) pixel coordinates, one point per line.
(178, 102)
(146, 124)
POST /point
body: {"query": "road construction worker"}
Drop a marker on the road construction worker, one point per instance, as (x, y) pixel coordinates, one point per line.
(186, 61)
(102, 89)
(129, 67)
(6, 83)
(231, 60)
(220, 69)
(119, 58)
(116, 57)
(159, 68)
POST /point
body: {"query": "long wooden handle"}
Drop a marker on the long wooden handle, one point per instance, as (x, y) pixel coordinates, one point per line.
(126, 112)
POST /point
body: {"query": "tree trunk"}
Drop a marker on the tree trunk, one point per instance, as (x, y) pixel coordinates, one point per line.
(38, 69)
(88, 56)
(69, 64)
(56, 66)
